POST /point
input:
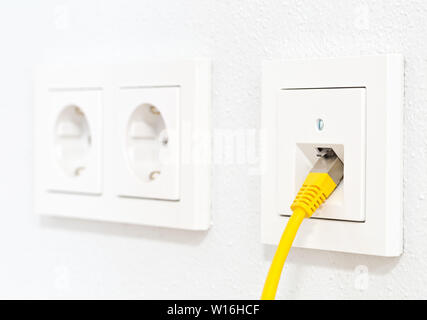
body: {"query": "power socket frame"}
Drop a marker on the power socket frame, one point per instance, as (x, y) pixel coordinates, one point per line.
(193, 209)
(383, 77)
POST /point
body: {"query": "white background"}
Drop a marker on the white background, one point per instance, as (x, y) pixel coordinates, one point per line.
(60, 258)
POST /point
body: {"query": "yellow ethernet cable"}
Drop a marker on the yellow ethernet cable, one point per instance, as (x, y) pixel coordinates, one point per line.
(323, 179)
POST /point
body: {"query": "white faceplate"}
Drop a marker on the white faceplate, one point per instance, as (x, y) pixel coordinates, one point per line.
(342, 112)
(148, 133)
(353, 105)
(74, 149)
(136, 149)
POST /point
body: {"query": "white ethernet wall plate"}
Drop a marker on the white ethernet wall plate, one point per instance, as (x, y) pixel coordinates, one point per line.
(126, 143)
(354, 106)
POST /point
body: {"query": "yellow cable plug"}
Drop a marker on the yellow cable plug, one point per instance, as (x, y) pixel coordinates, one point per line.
(318, 186)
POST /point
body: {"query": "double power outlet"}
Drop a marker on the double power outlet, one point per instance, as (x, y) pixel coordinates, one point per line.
(109, 143)
(146, 160)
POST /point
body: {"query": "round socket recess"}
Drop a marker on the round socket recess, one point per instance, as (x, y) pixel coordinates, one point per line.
(72, 140)
(146, 142)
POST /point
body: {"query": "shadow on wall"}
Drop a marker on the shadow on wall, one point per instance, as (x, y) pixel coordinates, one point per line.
(336, 260)
(362, 267)
(193, 238)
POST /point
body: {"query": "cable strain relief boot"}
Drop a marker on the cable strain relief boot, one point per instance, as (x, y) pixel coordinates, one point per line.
(315, 190)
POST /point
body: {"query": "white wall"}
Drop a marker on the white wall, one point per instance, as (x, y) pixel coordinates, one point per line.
(59, 258)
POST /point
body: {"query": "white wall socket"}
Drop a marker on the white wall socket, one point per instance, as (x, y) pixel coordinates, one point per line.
(124, 143)
(342, 113)
(148, 166)
(73, 124)
(353, 105)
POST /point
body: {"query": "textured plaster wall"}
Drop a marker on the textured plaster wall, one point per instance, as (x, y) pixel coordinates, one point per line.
(59, 258)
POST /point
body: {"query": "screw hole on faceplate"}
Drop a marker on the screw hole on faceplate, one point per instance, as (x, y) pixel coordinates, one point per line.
(320, 124)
